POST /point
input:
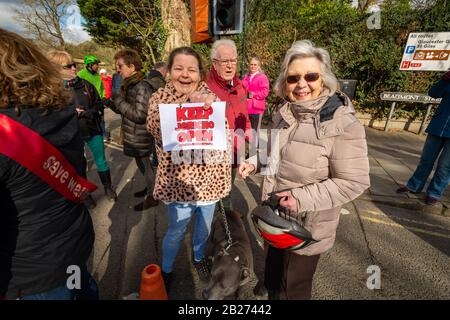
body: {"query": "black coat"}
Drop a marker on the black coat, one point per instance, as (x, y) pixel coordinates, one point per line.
(156, 79)
(41, 232)
(86, 97)
(133, 108)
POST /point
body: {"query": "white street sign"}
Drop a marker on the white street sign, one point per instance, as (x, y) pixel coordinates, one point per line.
(427, 52)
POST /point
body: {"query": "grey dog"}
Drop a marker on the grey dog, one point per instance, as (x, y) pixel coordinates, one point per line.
(232, 262)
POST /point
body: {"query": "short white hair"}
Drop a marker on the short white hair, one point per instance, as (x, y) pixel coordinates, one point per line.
(222, 43)
(305, 49)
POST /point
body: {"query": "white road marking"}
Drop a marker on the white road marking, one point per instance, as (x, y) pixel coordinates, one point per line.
(396, 225)
(379, 213)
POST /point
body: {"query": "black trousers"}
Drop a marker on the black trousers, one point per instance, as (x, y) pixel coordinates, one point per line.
(145, 167)
(255, 121)
(289, 276)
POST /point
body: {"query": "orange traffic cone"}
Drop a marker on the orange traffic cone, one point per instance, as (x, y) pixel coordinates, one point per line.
(152, 284)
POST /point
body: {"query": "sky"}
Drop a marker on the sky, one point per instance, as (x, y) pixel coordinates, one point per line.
(73, 31)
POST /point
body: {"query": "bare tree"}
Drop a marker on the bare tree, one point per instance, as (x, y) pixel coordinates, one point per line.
(42, 19)
(142, 20)
(422, 4)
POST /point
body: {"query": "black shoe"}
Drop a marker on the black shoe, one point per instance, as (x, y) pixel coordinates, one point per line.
(203, 269)
(141, 193)
(146, 204)
(273, 294)
(110, 193)
(404, 189)
(167, 278)
(105, 177)
(89, 202)
(431, 200)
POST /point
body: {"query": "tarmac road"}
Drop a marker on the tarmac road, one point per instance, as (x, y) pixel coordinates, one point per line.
(397, 235)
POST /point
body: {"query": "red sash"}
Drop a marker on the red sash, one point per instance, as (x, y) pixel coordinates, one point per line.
(33, 152)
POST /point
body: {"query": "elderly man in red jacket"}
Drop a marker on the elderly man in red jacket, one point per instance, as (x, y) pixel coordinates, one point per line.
(224, 82)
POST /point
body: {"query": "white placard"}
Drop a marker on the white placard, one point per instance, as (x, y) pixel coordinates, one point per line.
(427, 52)
(189, 126)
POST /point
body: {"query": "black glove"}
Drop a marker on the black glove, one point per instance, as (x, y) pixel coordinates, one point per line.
(106, 102)
(446, 76)
(274, 203)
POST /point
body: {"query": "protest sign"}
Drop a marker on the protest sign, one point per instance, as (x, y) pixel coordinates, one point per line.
(190, 126)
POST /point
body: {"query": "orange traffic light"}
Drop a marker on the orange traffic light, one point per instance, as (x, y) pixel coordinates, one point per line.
(199, 21)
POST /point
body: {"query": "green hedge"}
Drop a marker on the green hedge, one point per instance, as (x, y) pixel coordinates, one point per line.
(370, 56)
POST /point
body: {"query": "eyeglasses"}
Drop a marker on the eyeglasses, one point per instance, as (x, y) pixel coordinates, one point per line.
(223, 63)
(70, 65)
(309, 77)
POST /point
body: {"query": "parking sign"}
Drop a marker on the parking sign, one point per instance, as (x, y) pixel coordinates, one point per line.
(410, 49)
(427, 52)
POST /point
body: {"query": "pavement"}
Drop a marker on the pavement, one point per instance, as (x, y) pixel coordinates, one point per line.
(383, 233)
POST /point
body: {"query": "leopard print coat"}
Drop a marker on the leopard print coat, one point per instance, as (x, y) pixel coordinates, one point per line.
(204, 178)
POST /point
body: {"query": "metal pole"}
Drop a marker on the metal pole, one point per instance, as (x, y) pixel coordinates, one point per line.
(391, 112)
(243, 39)
(427, 114)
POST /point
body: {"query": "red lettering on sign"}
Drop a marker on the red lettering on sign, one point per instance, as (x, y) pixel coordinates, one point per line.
(181, 114)
(193, 113)
(207, 135)
(195, 135)
(189, 125)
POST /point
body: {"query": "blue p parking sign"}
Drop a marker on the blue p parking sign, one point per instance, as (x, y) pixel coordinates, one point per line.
(410, 49)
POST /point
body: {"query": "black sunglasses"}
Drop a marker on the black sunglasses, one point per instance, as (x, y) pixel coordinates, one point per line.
(70, 65)
(309, 77)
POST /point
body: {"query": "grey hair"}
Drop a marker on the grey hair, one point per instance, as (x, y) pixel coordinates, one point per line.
(259, 62)
(160, 65)
(220, 43)
(255, 58)
(305, 49)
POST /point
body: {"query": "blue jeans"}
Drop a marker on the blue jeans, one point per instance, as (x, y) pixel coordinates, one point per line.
(433, 146)
(179, 216)
(88, 290)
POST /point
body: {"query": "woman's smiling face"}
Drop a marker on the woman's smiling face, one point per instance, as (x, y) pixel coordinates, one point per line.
(185, 73)
(309, 84)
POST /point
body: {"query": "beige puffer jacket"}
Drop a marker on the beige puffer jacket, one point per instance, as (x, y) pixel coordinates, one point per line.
(322, 155)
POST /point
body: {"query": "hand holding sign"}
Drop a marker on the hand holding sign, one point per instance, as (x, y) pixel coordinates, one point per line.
(203, 96)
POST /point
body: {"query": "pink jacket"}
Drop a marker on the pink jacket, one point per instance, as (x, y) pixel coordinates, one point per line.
(259, 88)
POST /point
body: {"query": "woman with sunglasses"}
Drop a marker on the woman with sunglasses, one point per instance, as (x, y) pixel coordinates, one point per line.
(320, 164)
(89, 110)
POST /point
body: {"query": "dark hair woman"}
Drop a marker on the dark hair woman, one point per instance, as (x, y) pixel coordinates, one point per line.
(132, 104)
(189, 189)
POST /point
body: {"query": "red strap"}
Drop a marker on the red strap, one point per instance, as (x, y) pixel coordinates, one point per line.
(33, 152)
